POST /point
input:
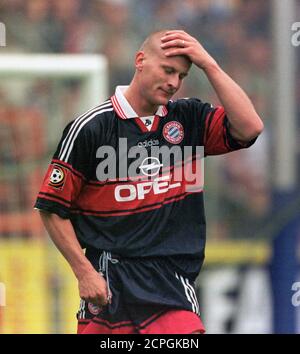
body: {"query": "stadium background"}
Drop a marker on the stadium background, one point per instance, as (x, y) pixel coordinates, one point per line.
(252, 259)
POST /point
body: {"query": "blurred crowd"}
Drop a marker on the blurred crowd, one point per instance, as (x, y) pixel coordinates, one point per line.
(236, 32)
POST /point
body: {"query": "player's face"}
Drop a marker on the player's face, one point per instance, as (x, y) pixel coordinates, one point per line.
(161, 77)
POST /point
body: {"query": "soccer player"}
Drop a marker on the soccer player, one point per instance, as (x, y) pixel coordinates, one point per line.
(143, 230)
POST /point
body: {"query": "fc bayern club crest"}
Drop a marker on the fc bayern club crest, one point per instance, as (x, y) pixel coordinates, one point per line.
(94, 309)
(173, 132)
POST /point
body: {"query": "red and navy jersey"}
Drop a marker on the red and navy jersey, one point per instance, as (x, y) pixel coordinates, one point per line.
(130, 216)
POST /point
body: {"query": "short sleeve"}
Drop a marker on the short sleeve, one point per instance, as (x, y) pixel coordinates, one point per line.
(68, 171)
(213, 125)
(217, 137)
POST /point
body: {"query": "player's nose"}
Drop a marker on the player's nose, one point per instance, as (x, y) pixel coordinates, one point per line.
(174, 82)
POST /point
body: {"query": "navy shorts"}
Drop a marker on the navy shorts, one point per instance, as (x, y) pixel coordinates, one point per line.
(148, 296)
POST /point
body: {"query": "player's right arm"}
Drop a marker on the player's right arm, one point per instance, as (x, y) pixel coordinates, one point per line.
(65, 178)
(92, 286)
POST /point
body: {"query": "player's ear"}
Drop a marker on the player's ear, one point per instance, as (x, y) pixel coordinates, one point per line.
(139, 60)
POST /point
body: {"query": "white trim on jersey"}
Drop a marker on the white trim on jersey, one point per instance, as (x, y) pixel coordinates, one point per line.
(78, 130)
(126, 107)
(78, 123)
(193, 295)
(81, 312)
(189, 293)
(124, 104)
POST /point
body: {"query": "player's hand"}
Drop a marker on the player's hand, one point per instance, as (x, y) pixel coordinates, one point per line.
(93, 288)
(177, 42)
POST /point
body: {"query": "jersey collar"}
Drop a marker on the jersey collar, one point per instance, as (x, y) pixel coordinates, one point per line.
(123, 108)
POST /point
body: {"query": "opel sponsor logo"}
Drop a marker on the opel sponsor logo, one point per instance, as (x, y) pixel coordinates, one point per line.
(150, 166)
(130, 192)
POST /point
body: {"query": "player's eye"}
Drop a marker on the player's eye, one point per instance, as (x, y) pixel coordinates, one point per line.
(168, 70)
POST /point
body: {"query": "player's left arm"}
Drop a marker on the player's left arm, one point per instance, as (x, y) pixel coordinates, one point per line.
(244, 122)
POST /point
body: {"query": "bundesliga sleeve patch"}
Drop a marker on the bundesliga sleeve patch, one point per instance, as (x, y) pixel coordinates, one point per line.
(57, 177)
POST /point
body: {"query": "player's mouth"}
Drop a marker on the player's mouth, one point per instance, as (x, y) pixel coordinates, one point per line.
(167, 94)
